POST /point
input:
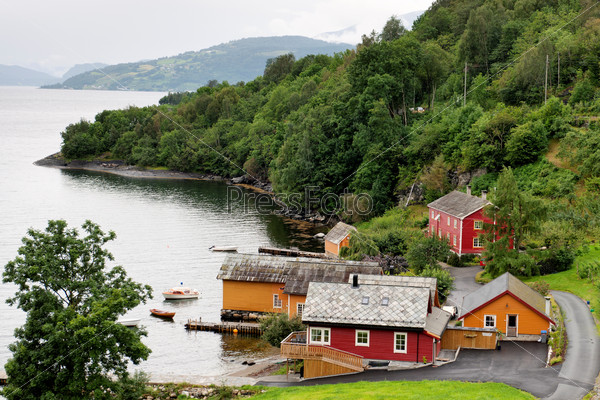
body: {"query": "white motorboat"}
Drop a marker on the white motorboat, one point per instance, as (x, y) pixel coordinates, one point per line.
(129, 322)
(223, 248)
(180, 293)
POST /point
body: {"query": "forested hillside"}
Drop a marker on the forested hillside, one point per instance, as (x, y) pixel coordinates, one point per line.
(352, 121)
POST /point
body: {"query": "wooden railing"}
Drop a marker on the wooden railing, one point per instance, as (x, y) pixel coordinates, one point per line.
(304, 351)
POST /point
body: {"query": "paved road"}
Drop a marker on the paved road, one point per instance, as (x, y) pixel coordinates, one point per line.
(582, 361)
(521, 365)
(464, 283)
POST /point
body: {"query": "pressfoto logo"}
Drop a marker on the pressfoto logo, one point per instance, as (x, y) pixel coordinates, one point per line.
(299, 203)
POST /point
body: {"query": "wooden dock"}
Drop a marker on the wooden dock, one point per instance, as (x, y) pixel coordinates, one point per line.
(243, 328)
(290, 252)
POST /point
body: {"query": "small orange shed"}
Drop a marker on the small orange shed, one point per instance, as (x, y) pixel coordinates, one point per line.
(257, 283)
(338, 237)
(508, 305)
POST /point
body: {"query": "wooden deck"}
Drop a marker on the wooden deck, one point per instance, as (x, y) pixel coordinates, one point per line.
(290, 252)
(469, 338)
(319, 360)
(243, 328)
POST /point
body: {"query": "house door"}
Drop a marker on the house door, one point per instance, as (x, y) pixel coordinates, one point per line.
(512, 326)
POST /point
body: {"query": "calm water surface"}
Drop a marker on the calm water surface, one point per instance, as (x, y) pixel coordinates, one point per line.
(164, 227)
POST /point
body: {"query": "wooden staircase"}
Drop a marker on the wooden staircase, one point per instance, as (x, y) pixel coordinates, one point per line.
(320, 360)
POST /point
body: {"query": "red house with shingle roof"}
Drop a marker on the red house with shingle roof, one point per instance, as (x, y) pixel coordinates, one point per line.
(458, 217)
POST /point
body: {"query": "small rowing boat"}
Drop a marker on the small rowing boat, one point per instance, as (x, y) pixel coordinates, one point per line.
(162, 313)
(223, 248)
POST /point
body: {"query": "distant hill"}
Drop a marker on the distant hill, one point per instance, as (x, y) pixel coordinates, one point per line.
(13, 75)
(239, 60)
(81, 68)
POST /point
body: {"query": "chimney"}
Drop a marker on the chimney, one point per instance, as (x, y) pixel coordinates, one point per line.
(355, 281)
(469, 190)
(484, 194)
(548, 306)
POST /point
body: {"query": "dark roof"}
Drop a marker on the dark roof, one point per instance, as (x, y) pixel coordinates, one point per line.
(503, 283)
(458, 204)
(295, 272)
(404, 307)
(339, 232)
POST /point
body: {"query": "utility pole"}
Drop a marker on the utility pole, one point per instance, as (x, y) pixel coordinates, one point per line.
(546, 82)
(465, 90)
(558, 79)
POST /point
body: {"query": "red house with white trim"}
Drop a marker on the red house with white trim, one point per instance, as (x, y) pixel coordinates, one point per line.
(458, 217)
(378, 321)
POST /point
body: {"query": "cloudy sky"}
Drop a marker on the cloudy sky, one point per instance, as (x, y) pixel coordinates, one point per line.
(54, 35)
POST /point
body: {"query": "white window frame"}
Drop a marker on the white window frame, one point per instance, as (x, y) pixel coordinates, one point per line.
(440, 233)
(299, 309)
(322, 335)
(356, 342)
(455, 223)
(448, 236)
(478, 222)
(454, 240)
(448, 220)
(396, 335)
(479, 244)
(277, 302)
(485, 321)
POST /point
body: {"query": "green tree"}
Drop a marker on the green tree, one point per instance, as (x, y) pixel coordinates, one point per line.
(278, 326)
(427, 252)
(526, 143)
(70, 346)
(392, 30)
(445, 281)
(514, 214)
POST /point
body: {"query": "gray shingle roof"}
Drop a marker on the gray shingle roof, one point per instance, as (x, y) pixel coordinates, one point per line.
(295, 272)
(501, 284)
(458, 204)
(340, 303)
(399, 280)
(437, 321)
(339, 232)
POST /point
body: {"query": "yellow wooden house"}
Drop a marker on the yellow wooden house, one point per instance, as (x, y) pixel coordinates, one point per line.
(510, 306)
(255, 283)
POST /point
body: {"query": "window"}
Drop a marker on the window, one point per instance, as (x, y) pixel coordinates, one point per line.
(448, 236)
(362, 338)
(455, 223)
(440, 234)
(385, 301)
(478, 225)
(276, 301)
(432, 214)
(319, 335)
(490, 321)
(299, 309)
(365, 300)
(454, 240)
(477, 242)
(399, 342)
(448, 221)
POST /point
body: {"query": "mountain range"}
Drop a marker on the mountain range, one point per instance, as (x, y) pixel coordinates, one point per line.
(235, 61)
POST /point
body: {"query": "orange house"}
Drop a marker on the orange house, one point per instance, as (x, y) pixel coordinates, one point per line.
(254, 284)
(510, 306)
(338, 237)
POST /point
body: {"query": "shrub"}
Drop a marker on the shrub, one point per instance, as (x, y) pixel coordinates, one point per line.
(455, 260)
(556, 360)
(541, 287)
(445, 281)
(278, 326)
(558, 261)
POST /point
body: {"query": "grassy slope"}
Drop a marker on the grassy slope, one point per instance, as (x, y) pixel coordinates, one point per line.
(448, 390)
(569, 281)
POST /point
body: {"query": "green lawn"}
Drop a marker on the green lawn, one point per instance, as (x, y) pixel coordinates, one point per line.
(447, 390)
(569, 281)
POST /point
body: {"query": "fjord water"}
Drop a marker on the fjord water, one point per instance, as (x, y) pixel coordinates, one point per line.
(164, 227)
